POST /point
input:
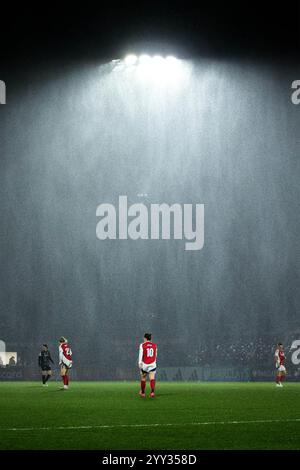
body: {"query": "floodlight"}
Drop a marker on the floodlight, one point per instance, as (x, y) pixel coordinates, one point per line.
(131, 59)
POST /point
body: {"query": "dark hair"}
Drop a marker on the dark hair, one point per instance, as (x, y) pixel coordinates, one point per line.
(147, 336)
(279, 344)
(45, 346)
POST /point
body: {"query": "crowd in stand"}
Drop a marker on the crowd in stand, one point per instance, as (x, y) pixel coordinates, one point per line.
(236, 353)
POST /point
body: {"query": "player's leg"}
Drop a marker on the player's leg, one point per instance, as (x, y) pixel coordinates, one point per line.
(44, 375)
(67, 378)
(63, 373)
(143, 383)
(49, 373)
(278, 375)
(282, 374)
(152, 383)
(278, 378)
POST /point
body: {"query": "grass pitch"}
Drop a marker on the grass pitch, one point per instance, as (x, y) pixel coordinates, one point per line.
(111, 415)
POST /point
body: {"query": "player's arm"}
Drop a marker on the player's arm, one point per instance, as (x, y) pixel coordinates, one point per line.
(140, 359)
(276, 359)
(61, 355)
(40, 360)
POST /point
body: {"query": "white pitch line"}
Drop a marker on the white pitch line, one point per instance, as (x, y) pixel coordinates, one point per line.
(151, 425)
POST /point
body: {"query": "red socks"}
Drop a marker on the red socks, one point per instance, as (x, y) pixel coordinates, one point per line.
(66, 380)
(278, 379)
(282, 378)
(143, 386)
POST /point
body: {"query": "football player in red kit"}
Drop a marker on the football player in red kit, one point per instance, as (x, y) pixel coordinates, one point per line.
(147, 364)
(279, 364)
(65, 361)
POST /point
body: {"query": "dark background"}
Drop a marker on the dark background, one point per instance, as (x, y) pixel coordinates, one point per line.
(62, 154)
(260, 29)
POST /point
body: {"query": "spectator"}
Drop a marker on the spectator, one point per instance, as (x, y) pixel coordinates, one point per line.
(12, 361)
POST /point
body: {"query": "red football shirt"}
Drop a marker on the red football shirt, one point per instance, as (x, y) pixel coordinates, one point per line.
(149, 350)
(280, 357)
(66, 350)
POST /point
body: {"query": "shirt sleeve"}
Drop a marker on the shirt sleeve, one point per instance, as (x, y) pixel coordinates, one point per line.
(140, 354)
(40, 360)
(60, 354)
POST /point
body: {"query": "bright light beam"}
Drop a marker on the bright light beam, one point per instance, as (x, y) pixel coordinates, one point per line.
(131, 59)
(156, 69)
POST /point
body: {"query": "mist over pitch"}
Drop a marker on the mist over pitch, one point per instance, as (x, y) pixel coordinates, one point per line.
(223, 134)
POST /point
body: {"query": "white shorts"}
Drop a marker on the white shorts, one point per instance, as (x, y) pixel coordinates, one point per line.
(148, 367)
(281, 369)
(67, 363)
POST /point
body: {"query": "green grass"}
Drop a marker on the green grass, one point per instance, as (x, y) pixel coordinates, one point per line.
(95, 404)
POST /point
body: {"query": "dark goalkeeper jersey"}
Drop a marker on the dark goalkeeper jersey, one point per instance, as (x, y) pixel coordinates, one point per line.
(45, 359)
